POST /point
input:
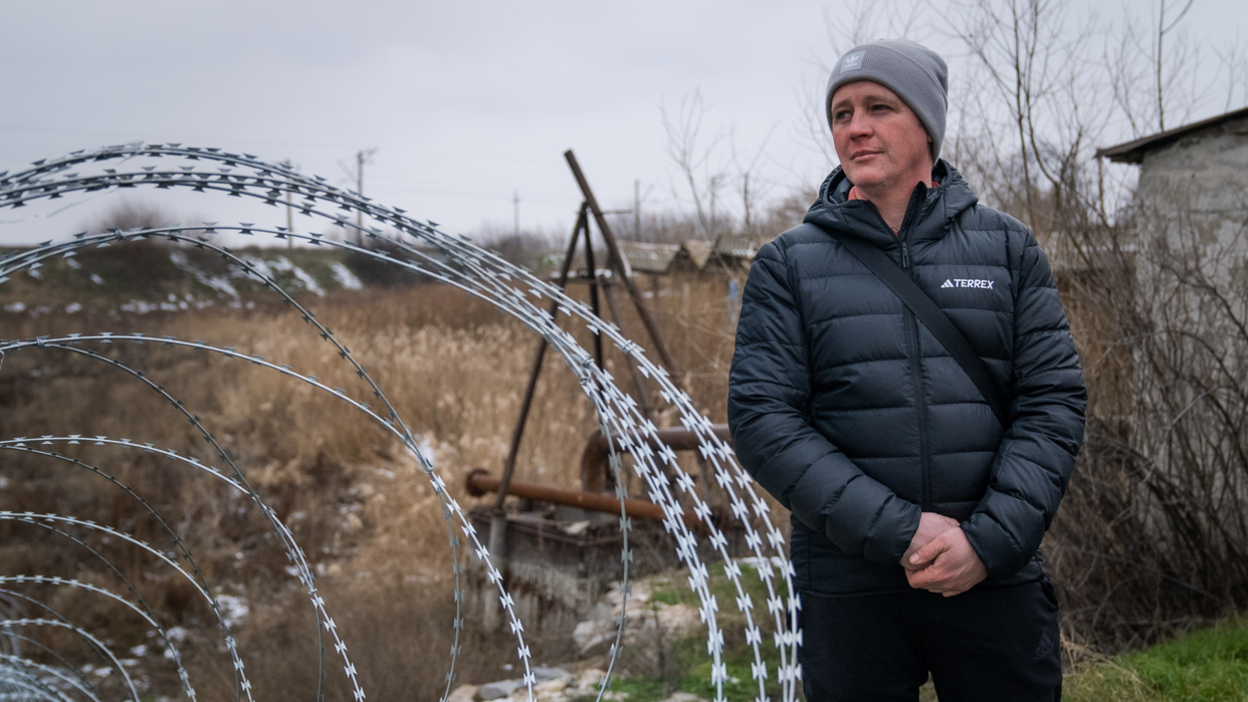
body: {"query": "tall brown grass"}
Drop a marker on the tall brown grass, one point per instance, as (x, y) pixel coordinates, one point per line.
(453, 367)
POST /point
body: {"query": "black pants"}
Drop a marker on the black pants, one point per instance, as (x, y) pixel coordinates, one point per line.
(989, 644)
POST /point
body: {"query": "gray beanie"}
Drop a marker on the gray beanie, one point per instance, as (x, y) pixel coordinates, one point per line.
(916, 73)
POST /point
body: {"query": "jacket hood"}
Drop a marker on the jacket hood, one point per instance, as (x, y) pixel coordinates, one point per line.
(834, 210)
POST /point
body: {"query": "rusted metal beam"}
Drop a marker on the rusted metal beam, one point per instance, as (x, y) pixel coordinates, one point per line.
(480, 482)
(595, 459)
(617, 261)
(593, 287)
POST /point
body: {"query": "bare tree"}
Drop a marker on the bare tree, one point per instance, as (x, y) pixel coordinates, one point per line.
(131, 214)
(703, 168)
(1166, 82)
(1153, 532)
(1034, 65)
(1233, 56)
(1161, 57)
(708, 167)
(754, 190)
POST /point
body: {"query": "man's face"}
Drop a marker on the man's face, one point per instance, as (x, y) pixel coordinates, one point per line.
(879, 139)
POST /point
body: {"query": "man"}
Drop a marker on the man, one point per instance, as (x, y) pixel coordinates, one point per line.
(916, 517)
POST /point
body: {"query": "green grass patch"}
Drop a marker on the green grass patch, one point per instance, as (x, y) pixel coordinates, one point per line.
(674, 588)
(684, 664)
(1208, 665)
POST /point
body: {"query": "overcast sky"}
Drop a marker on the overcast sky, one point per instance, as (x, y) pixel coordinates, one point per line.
(465, 102)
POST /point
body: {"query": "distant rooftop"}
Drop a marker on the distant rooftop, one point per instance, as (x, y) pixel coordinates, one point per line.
(1133, 151)
(648, 258)
(731, 249)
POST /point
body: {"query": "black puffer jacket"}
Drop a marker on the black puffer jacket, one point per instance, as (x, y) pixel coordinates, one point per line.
(846, 409)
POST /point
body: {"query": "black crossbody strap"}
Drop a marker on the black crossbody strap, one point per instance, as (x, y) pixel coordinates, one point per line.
(932, 317)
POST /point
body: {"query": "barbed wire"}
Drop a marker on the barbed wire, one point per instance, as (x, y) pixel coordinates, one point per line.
(66, 667)
(422, 248)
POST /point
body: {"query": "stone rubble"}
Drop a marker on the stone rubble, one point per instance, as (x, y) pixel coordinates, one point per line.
(565, 687)
(594, 637)
(544, 678)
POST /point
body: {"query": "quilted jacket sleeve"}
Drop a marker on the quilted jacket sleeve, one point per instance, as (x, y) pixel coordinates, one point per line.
(1037, 454)
(768, 395)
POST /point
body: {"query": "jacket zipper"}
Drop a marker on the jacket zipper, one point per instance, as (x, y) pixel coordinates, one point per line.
(916, 377)
(916, 358)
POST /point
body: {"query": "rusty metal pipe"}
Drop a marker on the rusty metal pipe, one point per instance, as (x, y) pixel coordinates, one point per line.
(480, 482)
(595, 459)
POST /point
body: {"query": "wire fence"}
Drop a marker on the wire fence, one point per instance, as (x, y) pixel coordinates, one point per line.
(399, 240)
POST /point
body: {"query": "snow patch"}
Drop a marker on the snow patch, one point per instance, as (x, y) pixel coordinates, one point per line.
(345, 277)
(234, 609)
(219, 283)
(139, 307)
(283, 264)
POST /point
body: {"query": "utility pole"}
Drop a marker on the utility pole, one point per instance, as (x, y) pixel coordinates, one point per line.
(515, 202)
(714, 188)
(636, 209)
(290, 223)
(745, 197)
(638, 196)
(362, 157)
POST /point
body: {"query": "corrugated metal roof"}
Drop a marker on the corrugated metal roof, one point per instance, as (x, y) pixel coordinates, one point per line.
(736, 245)
(648, 258)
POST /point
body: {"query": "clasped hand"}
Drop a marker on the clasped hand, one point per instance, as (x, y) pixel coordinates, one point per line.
(940, 559)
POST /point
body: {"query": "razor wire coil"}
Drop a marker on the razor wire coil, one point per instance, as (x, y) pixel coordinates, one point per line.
(422, 248)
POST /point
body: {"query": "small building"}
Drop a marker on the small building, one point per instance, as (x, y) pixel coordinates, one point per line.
(1185, 243)
(1197, 173)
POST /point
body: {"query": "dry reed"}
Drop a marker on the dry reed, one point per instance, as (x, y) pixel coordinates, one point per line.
(454, 369)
